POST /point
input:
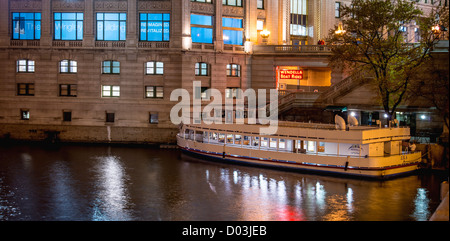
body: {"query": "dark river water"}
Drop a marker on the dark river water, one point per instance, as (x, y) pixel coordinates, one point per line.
(81, 182)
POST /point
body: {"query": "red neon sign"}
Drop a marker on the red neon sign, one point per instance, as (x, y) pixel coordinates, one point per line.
(291, 74)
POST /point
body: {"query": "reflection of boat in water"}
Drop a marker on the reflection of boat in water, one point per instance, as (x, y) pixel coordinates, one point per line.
(352, 150)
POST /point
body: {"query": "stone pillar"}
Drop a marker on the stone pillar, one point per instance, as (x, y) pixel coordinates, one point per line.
(218, 26)
(132, 36)
(89, 21)
(184, 10)
(46, 23)
(4, 13)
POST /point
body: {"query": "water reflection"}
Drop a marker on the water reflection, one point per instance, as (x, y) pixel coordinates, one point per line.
(111, 201)
(117, 183)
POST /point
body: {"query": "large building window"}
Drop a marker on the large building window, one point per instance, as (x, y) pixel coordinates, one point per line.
(201, 28)
(68, 66)
(111, 26)
(298, 17)
(25, 66)
(237, 3)
(26, 25)
(110, 67)
(68, 26)
(153, 67)
(110, 91)
(233, 32)
(154, 26)
(201, 69)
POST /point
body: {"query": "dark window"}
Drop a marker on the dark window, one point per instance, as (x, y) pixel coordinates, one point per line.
(110, 117)
(68, 90)
(153, 118)
(67, 116)
(25, 89)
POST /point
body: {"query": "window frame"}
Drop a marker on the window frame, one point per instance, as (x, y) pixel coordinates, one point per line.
(163, 22)
(199, 68)
(27, 66)
(202, 26)
(238, 3)
(233, 72)
(77, 24)
(24, 114)
(111, 66)
(72, 90)
(37, 18)
(152, 120)
(337, 9)
(260, 4)
(103, 20)
(153, 70)
(233, 29)
(111, 91)
(72, 66)
(29, 89)
(154, 90)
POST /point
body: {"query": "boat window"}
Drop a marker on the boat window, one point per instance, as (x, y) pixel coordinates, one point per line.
(230, 138)
(282, 144)
(273, 142)
(311, 146)
(237, 139)
(221, 137)
(247, 140)
(321, 147)
(264, 142)
(255, 141)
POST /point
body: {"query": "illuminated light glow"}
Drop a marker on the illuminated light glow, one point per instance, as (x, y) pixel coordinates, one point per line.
(353, 113)
(385, 115)
(423, 117)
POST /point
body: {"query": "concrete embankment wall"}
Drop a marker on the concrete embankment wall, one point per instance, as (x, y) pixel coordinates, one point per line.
(442, 211)
(89, 134)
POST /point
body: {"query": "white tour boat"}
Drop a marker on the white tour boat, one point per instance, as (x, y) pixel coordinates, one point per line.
(369, 151)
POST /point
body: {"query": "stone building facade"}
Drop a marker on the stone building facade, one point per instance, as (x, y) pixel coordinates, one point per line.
(110, 80)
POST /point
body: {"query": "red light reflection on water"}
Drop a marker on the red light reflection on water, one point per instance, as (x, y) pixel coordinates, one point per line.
(289, 213)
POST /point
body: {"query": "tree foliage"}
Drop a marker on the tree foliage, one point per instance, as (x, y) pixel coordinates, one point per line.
(375, 43)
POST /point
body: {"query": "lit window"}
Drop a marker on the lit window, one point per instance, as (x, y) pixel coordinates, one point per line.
(111, 26)
(201, 69)
(25, 89)
(110, 91)
(201, 28)
(68, 90)
(154, 26)
(237, 3)
(201, 1)
(154, 92)
(298, 17)
(26, 26)
(233, 33)
(110, 67)
(68, 66)
(68, 26)
(260, 25)
(233, 70)
(25, 66)
(337, 9)
(154, 68)
(24, 114)
(260, 4)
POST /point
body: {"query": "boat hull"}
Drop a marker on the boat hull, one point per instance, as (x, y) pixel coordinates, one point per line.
(373, 168)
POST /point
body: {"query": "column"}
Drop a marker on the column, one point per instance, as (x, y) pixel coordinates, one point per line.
(131, 24)
(88, 35)
(46, 23)
(218, 43)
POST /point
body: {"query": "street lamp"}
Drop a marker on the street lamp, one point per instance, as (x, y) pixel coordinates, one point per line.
(265, 35)
(340, 30)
